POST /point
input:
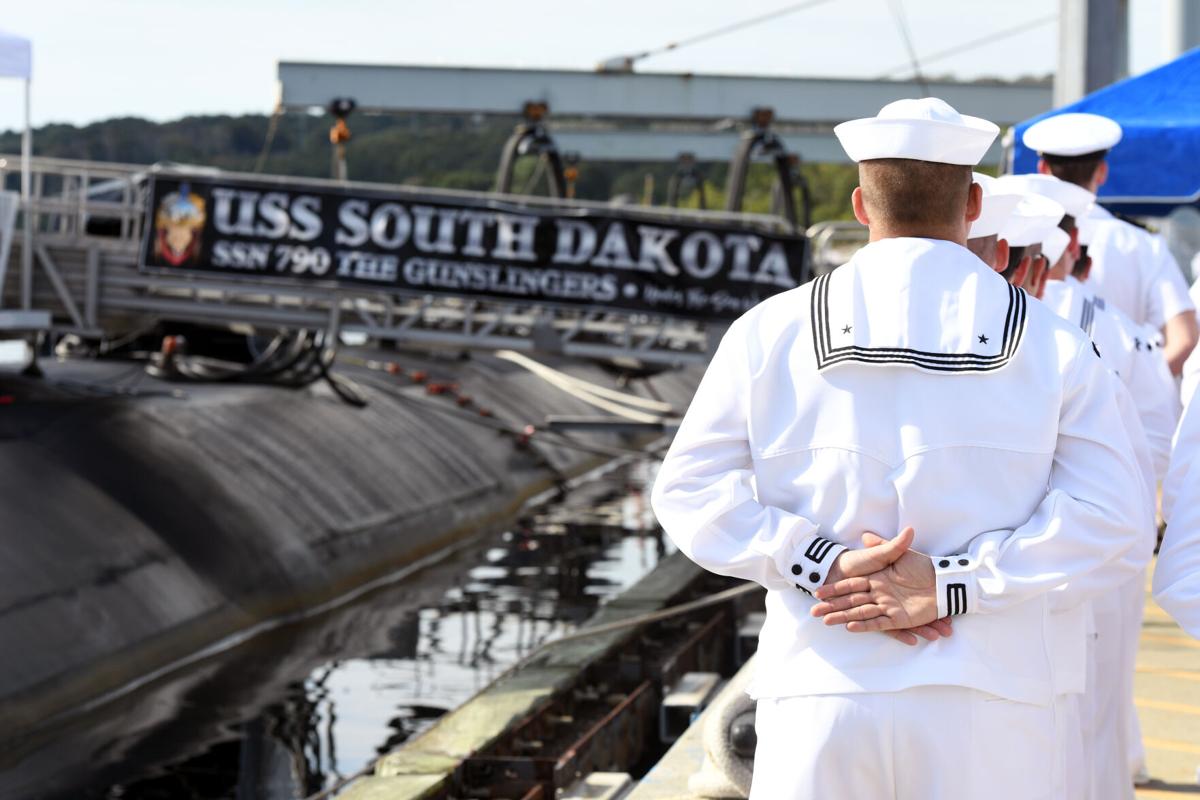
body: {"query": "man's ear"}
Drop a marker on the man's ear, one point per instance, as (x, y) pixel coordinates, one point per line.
(1027, 283)
(974, 203)
(1021, 272)
(1001, 262)
(1100, 175)
(1043, 167)
(1037, 286)
(860, 206)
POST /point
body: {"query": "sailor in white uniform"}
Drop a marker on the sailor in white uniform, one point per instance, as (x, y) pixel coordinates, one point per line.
(911, 388)
(1070, 622)
(1190, 378)
(1159, 402)
(1131, 268)
(1025, 229)
(983, 238)
(1132, 351)
(1091, 725)
(1177, 573)
(1128, 350)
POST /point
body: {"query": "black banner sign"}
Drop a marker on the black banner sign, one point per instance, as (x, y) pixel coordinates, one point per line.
(620, 259)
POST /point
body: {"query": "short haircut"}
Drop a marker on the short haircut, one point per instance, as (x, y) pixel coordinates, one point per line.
(1015, 254)
(1074, 169)
(907, 192)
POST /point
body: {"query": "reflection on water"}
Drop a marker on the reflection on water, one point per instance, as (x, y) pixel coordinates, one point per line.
(288, 716)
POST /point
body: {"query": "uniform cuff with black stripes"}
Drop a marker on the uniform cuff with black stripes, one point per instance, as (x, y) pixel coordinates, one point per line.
(956, 589)
(812, 561)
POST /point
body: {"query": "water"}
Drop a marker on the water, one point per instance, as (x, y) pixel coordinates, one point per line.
(293, 711)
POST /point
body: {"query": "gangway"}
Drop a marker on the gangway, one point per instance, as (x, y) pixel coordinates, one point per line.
(95, 232)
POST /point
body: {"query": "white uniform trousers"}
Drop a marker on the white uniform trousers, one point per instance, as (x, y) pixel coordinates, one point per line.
(924, 743)
(1134, 594)
(1105, 719)
(1072, 772)
(1137, 748)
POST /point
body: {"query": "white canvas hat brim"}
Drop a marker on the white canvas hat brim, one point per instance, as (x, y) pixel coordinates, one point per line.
(997, 208)
(1055, 244)
(1073, 134)
(1087, 229)
(932, 140)
(1034, 217)
(998, 203)
(1074, 199)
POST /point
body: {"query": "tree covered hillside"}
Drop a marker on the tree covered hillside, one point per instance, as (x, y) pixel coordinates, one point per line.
(443, 151)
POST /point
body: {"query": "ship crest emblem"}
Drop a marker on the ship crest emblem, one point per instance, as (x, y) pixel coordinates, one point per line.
(178, 223)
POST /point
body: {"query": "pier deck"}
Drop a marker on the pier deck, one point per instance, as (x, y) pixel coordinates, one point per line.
(1167, 695)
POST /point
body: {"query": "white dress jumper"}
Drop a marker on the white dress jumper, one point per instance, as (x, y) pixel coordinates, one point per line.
(912, 386)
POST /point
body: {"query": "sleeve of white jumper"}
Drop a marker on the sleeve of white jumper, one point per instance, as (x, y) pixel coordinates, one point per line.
(704, 495)
(1156, 401)
(1177, 573)
(1091, 517)
(1185, 447)
(1166, 285)
(1081, 587)
(1191, 368)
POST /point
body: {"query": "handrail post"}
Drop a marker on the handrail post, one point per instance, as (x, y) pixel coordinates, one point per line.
(27, 227)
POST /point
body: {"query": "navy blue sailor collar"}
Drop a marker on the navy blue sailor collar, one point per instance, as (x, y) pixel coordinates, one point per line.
(927, 304)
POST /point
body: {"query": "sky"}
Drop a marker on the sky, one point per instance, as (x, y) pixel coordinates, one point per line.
(164, 59)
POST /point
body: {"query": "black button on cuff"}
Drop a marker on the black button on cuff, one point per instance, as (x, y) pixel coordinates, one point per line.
(955, 585)
(813, 558)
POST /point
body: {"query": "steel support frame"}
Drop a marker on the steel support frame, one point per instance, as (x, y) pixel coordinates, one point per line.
(592, 95)
(425, 320)
(112, 286)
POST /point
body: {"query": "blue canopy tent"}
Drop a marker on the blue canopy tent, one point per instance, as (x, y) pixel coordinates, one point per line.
(1156, 165)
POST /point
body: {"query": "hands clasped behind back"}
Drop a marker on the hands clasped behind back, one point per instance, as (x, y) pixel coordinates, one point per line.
(885, 586)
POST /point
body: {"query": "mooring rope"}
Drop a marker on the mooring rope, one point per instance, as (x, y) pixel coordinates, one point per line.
(626, 398)
(584, 391)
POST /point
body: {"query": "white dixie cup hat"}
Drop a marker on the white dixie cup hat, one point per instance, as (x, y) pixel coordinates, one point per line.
(1072, 134)
(1075, 200)
(927, 129)
(1031, 221)
(1055, 244)
(999, 201)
